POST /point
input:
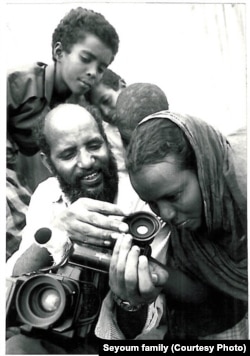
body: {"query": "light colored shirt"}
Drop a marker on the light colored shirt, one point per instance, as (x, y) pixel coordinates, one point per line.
(114, 138)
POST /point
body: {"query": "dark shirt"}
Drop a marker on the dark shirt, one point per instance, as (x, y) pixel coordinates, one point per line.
(29, 93)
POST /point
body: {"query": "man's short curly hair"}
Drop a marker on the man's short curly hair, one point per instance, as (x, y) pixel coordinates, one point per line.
(77, 23)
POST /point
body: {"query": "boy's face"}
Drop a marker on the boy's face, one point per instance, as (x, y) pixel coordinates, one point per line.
(80, 69)
(105, 98)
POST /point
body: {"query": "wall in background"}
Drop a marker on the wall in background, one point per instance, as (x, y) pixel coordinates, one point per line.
(195, 52)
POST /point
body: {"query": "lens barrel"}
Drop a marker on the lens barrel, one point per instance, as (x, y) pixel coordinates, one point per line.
(42, 300)
(143, 226)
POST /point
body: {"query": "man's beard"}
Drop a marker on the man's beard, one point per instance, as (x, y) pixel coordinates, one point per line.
(107, 191)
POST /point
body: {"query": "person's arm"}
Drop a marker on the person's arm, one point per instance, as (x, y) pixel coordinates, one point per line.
(33, 259)
(86, 219)
(136, 280)
(91, 221)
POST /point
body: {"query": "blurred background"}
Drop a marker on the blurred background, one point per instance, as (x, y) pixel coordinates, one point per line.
(195, 52)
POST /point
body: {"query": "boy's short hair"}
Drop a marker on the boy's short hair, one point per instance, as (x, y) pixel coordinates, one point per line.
(111, 79)
(79, 22)
(135, 102)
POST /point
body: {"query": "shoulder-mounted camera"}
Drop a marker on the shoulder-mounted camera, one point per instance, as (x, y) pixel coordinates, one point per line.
(65, 298)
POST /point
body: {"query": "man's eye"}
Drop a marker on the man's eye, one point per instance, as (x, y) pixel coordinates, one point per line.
(95, 146)
(67, 155)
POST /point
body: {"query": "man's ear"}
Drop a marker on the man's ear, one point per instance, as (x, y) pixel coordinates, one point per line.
(45, 162)
(57, 51)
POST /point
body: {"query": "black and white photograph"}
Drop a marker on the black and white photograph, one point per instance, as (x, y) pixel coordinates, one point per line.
(125, 164)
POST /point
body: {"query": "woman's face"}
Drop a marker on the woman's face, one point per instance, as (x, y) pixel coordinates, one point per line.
(172, 193)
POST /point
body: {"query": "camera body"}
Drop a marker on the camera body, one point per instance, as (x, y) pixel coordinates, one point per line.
(65, 302)
(65, 299)
(143, 226)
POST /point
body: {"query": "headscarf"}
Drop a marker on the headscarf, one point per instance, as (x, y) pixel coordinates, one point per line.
(218, 257)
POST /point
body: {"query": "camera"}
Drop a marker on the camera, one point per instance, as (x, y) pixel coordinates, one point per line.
(143, 226)
(65, 301)
(65, 298)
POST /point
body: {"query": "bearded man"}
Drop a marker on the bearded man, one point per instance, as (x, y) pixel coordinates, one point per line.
(82, 200)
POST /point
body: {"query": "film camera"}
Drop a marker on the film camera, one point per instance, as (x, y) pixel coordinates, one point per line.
(143, 226)
(65, 298)
(65, 301)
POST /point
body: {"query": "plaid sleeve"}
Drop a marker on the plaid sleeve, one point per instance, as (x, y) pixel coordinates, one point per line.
(17, 201)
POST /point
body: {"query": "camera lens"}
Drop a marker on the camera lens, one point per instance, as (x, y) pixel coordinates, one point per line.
(143, 226)
(42, 300)
(50, 300)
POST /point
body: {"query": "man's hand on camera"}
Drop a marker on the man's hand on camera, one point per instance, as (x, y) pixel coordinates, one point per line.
(132, 277)
(91, 221)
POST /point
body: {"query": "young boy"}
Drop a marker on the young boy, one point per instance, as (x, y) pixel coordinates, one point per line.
(135, 102)
(104, 96)
(83, 46)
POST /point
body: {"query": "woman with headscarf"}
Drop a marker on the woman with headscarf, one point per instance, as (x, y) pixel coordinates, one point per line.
(194, 178)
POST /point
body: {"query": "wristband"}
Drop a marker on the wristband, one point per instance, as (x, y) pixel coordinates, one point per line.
(126, 305)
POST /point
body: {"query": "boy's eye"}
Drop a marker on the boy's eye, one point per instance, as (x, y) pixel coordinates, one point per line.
(105, 101)
(101, 69)
(85, 59)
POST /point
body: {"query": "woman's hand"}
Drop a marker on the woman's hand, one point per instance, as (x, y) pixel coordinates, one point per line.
(131, 276)
(91, 221)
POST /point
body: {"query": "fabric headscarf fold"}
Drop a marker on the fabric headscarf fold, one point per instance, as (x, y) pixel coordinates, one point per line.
(219, 256)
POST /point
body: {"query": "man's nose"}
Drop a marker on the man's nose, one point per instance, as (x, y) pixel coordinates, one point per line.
(85, 159)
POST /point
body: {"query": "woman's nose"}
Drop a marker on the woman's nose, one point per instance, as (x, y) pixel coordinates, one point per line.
(167, 212)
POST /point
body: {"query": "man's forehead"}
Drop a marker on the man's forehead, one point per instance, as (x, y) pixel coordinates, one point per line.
(69, 117)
